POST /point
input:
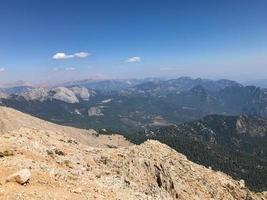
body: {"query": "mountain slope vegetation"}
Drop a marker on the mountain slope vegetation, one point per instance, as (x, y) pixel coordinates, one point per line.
(234, 145)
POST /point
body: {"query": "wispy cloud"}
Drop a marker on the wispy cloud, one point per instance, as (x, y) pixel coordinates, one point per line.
(2, 69)
(70, 68)
(82, 54)
(133, 59)
(63, 56)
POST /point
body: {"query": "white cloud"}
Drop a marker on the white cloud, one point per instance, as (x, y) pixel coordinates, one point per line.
(62, 56)
(2, 69)
(133, 59)
(82, 54)
(70, 68)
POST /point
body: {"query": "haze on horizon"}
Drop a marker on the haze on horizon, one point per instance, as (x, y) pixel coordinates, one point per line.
(69, 40)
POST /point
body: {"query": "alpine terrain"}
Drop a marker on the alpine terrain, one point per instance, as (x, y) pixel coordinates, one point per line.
(41, 160)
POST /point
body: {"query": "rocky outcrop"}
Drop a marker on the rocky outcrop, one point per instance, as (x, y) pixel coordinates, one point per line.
(95, 111)
(67, 95)
(81, 92)
(64, 94)
(39, 94)
(255, 127)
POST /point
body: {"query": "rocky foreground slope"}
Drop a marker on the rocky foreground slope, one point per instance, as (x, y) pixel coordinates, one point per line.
(12, 120)
(63, 167)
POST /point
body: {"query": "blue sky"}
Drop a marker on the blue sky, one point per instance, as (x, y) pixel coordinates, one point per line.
(62, 40)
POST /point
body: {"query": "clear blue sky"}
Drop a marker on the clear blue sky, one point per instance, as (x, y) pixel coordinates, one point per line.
(134, 38)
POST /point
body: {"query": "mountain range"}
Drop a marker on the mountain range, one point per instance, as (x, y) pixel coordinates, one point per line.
(121, 106)
(221, 123)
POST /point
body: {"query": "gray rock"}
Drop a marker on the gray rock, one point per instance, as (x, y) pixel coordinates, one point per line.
(81, 92)
(95, 111)
(65, 94)
(59, 93)
(39, 94)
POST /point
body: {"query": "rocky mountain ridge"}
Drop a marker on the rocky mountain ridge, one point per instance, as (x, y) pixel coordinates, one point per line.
(63, 94)
(175, 86)
(62, 167)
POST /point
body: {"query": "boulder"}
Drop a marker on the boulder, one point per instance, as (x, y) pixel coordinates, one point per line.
(20, 177)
